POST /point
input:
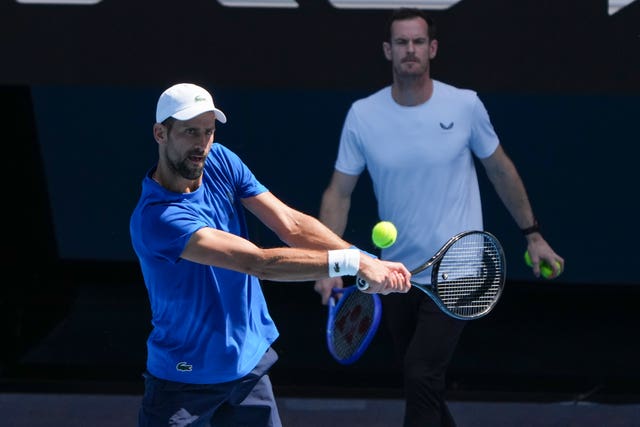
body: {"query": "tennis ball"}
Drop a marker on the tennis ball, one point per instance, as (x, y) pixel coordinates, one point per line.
(545, 269)
(384, 234)
(527, 259)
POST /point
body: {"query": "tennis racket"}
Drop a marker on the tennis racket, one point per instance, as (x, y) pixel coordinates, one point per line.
(467, 275)
(352, 323)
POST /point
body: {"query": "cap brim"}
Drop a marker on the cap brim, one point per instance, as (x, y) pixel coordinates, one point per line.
(196, 110)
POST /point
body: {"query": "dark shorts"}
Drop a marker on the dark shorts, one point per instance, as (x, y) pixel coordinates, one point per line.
(248, 401)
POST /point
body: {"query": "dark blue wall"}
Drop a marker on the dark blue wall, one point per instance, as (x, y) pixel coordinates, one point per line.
(576, 154)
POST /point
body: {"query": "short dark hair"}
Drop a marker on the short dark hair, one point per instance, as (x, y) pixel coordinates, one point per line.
(403, 13)
(168, 123)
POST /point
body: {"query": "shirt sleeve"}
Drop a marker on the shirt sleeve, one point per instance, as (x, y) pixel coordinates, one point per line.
(484, 139)
(168, 229)
(351, 159)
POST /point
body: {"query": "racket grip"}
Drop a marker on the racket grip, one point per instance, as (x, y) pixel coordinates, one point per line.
(362, 284)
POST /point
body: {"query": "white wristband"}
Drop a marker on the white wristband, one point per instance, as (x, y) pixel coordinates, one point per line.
(344, 262)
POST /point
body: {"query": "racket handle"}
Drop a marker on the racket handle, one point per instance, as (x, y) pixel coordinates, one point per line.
(362, 284)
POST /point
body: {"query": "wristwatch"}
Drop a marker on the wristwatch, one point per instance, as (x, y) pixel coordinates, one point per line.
(535, 228)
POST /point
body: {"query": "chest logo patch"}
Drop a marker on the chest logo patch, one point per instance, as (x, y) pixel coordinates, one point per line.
(184, 367)
(446, 127)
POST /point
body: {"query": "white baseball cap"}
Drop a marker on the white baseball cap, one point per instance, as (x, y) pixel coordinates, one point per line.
(184, 101)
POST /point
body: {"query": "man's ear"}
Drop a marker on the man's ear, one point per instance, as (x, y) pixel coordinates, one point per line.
(160, 133)
(433, 49)
(386, 49)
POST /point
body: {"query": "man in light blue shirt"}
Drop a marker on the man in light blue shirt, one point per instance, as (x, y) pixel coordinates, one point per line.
(418, 138)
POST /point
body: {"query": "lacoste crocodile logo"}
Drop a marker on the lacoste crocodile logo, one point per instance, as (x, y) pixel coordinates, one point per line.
(199, 98)
(184, 367)
(336, 267)
(446, 127)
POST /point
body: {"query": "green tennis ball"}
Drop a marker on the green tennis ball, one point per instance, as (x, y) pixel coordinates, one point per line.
(545, 269)
(384, 234)
(527, 259)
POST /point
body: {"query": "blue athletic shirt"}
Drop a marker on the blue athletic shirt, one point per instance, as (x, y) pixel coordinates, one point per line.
(210, 324)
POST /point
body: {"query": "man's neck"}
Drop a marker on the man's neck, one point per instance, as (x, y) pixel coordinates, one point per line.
(411, 92)
(175, 183)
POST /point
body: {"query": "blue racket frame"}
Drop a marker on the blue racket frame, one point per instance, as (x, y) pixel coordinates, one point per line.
(335, 307)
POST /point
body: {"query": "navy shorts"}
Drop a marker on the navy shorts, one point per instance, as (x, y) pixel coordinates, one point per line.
(248, 401)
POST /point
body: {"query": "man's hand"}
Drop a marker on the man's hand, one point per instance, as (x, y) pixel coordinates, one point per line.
(324, 287)
(384, 277)
(540, 250)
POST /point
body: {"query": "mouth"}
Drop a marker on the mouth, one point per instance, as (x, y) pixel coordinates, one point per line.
(196, 158)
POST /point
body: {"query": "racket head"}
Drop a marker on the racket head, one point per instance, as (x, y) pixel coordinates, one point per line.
(468, 278)
(353, 320)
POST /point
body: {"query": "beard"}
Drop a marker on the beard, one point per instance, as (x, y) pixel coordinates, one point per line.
(189, 172)
(187, 168)
(408, 70)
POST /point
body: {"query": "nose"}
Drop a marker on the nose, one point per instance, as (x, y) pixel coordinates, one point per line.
(205, 138)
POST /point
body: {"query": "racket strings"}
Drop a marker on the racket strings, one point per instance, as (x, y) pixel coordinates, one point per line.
(352, 321)
(469, 277)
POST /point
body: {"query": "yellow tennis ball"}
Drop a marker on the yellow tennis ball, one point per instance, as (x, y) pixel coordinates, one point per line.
(384, 234)
(527, 259)
(545, 269)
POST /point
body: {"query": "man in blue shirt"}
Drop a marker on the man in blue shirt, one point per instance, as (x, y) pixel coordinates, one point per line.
(210, 348)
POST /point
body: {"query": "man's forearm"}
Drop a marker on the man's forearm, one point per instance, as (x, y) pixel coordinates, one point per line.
(334, 212)
(314, 234)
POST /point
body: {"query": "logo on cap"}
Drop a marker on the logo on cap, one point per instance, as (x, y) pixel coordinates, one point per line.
(199, 98)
